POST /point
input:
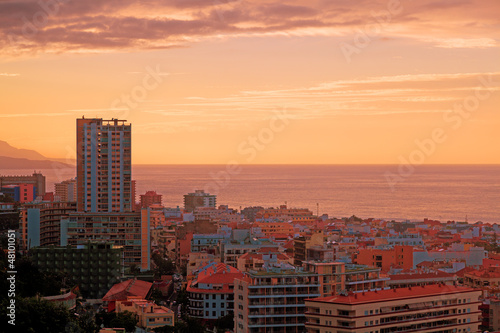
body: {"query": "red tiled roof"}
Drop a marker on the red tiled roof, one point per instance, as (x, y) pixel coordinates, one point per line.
(485, 273)
(461, 272)
(393, 294)
(215, 273)
(268, 249)
(425, 264)
(132, 287)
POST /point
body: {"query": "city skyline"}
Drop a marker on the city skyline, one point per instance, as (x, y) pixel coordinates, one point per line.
(203, 83)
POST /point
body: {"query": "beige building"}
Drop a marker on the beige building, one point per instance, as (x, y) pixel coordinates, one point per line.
(434, 308)
(149, 315)
(66, 190)
(330, 276)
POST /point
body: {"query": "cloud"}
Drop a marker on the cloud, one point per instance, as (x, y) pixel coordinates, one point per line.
(382, 95)
(31, 26)
(464, 42)
(9, 74)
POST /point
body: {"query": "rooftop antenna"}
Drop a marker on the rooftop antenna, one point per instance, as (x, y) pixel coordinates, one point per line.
(317, 209)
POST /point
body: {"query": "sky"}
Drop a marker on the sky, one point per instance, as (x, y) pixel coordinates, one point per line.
(258, 82)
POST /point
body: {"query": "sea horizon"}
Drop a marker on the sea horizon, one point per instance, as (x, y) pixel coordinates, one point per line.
(439, 192)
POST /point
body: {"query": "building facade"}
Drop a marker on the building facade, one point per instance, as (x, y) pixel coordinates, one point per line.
(37, 180)
(94, 267)
(331, 276)
(66, 190)
(432, 308)
(198, 199)
(272, 300)
(211, 291)
(131, 231)
(149, 315)
(40, 223)
(21, 192)
(385, 258)
(104, 165)
(149, 198)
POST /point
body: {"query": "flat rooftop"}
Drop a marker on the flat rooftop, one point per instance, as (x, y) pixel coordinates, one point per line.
(394, 294)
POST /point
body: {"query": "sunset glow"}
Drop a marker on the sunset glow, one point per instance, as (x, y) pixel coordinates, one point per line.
(202, 80)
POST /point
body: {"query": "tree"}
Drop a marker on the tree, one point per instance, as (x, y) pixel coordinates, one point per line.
(126, 319)
(183, 301)
(87, 320)
(225, 323)
(134, 269)
(35, 315)
(163, 266)
(156, 296)
(189, 325)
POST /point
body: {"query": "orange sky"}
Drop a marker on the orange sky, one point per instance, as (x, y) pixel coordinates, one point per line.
(257, 81)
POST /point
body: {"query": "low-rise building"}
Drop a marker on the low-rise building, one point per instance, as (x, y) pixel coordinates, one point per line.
(242, 241)
(149, 315)
(124, 290)
(211, 291)
(386, 258)
(431, 308)
(255, 261)
(198, 260)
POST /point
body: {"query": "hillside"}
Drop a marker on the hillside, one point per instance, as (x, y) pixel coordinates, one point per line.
(24, 163)
(8, 151)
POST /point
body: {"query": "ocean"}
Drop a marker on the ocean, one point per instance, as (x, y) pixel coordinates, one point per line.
(442, 192)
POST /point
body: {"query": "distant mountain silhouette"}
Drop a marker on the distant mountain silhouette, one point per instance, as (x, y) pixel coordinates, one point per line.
(24, 163)
(16, 158)
(8, 151)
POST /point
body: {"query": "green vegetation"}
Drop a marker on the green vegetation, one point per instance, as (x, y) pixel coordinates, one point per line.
(126, 320)
(225, 323)
(34, 315)
(187, 325)
(162, 266)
